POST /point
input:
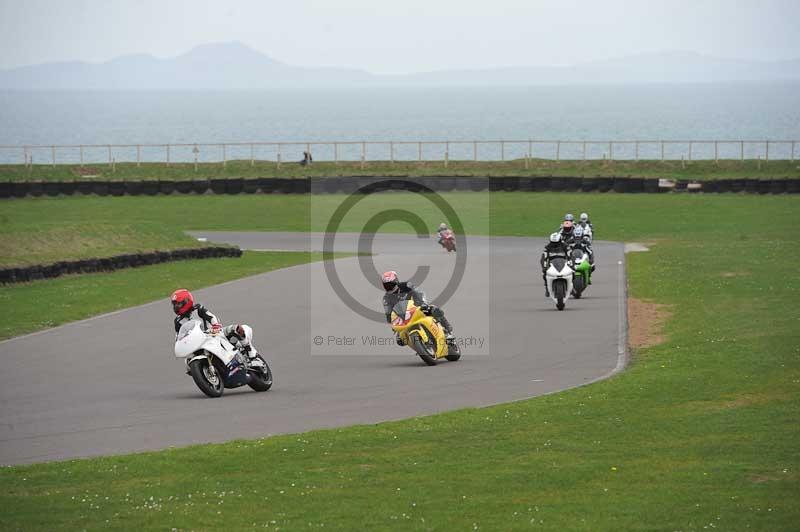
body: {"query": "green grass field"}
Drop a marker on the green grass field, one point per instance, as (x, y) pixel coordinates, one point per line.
(42, 304)
(699, 170)
(699, 433)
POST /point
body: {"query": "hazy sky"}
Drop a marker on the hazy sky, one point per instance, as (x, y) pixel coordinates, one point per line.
(400, 36)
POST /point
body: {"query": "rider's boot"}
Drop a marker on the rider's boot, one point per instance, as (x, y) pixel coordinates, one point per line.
(448, 329)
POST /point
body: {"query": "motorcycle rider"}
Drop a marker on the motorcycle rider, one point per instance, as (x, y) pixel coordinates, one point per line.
(442, 228)
(397, 290)
(184, 306)
(567, 230)
(556, 247)
(584, 222)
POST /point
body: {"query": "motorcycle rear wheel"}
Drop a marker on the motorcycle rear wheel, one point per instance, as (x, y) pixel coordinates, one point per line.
(260, 381)
(422, 350)
(208, 377)
(453, 352)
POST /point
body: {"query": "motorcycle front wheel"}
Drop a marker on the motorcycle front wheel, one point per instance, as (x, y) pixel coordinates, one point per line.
(208, 376)
(560, 291)
(260, 379)
(422, 350)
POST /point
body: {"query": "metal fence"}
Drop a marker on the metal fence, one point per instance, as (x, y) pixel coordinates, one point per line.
(401, 151)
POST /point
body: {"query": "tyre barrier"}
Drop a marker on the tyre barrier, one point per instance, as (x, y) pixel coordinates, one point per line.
(51, 188)
(116, 262)
(166, 186)
(250, 186)
(349, 184)
(183, 187)
(116, 188)
(200, 186)
(20, 189)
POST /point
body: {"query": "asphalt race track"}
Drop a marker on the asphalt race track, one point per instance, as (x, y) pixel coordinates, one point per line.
(111, 385)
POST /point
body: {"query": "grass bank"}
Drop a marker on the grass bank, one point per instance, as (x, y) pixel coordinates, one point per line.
(47, 303)
(699, 433)
(698, 170)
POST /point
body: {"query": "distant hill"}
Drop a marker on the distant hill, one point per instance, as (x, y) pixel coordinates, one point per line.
(236, 66)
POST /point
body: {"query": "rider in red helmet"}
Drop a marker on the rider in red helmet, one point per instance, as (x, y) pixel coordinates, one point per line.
(184, 306)
(397, 290)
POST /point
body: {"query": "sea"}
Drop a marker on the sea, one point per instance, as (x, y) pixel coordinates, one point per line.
(752, 111)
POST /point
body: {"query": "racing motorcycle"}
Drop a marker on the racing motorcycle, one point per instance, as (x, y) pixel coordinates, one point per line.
(422, 333)
(559, 276)
(215, 364)
(449, 240)
(583, 268)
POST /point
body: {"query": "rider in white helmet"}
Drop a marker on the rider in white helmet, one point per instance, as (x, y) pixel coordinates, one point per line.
(586, 224)
(556, 247)
(587, 234)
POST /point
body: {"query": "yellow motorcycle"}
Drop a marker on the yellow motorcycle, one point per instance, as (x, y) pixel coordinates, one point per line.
(422, 333)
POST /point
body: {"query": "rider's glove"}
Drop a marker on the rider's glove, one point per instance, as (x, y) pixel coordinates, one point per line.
(425, 308)
(216, 328)
(399, 340)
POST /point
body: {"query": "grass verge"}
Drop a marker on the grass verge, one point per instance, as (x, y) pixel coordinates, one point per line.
(699, 433)
(699, 170)
(47, 303)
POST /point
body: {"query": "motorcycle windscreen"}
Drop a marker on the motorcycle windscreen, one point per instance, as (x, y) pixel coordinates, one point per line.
(558, 263)
(400, 311)
(189, 338)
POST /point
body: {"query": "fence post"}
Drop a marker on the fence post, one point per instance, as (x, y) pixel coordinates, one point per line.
(446, 153)
(138, 156)
(662, 151)
(109, 155)
(419, 147)
(308, 149)
(584, 151)
(766, 152)
(791, 157)
(558, 150)
(610, 150)
(278, 159)
(53, 154)
(195, 151)
(81, 150)
(474, 151)
(391, 152)
(637, 150)
(741, 150)
(224, 155)
(690, 150)
(167, 154)
(363, 153)
(716, 151)
(252, 155)
(502, 150)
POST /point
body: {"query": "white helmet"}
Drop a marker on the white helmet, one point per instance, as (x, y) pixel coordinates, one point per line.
(584, 217)
(555, 237)
(442, 226)
(569, 218)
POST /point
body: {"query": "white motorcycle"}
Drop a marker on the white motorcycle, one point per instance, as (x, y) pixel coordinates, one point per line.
(215, 364)
(559, 280)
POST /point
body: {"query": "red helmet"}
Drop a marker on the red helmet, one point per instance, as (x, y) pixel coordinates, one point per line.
(390, 281)
(182, 301)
